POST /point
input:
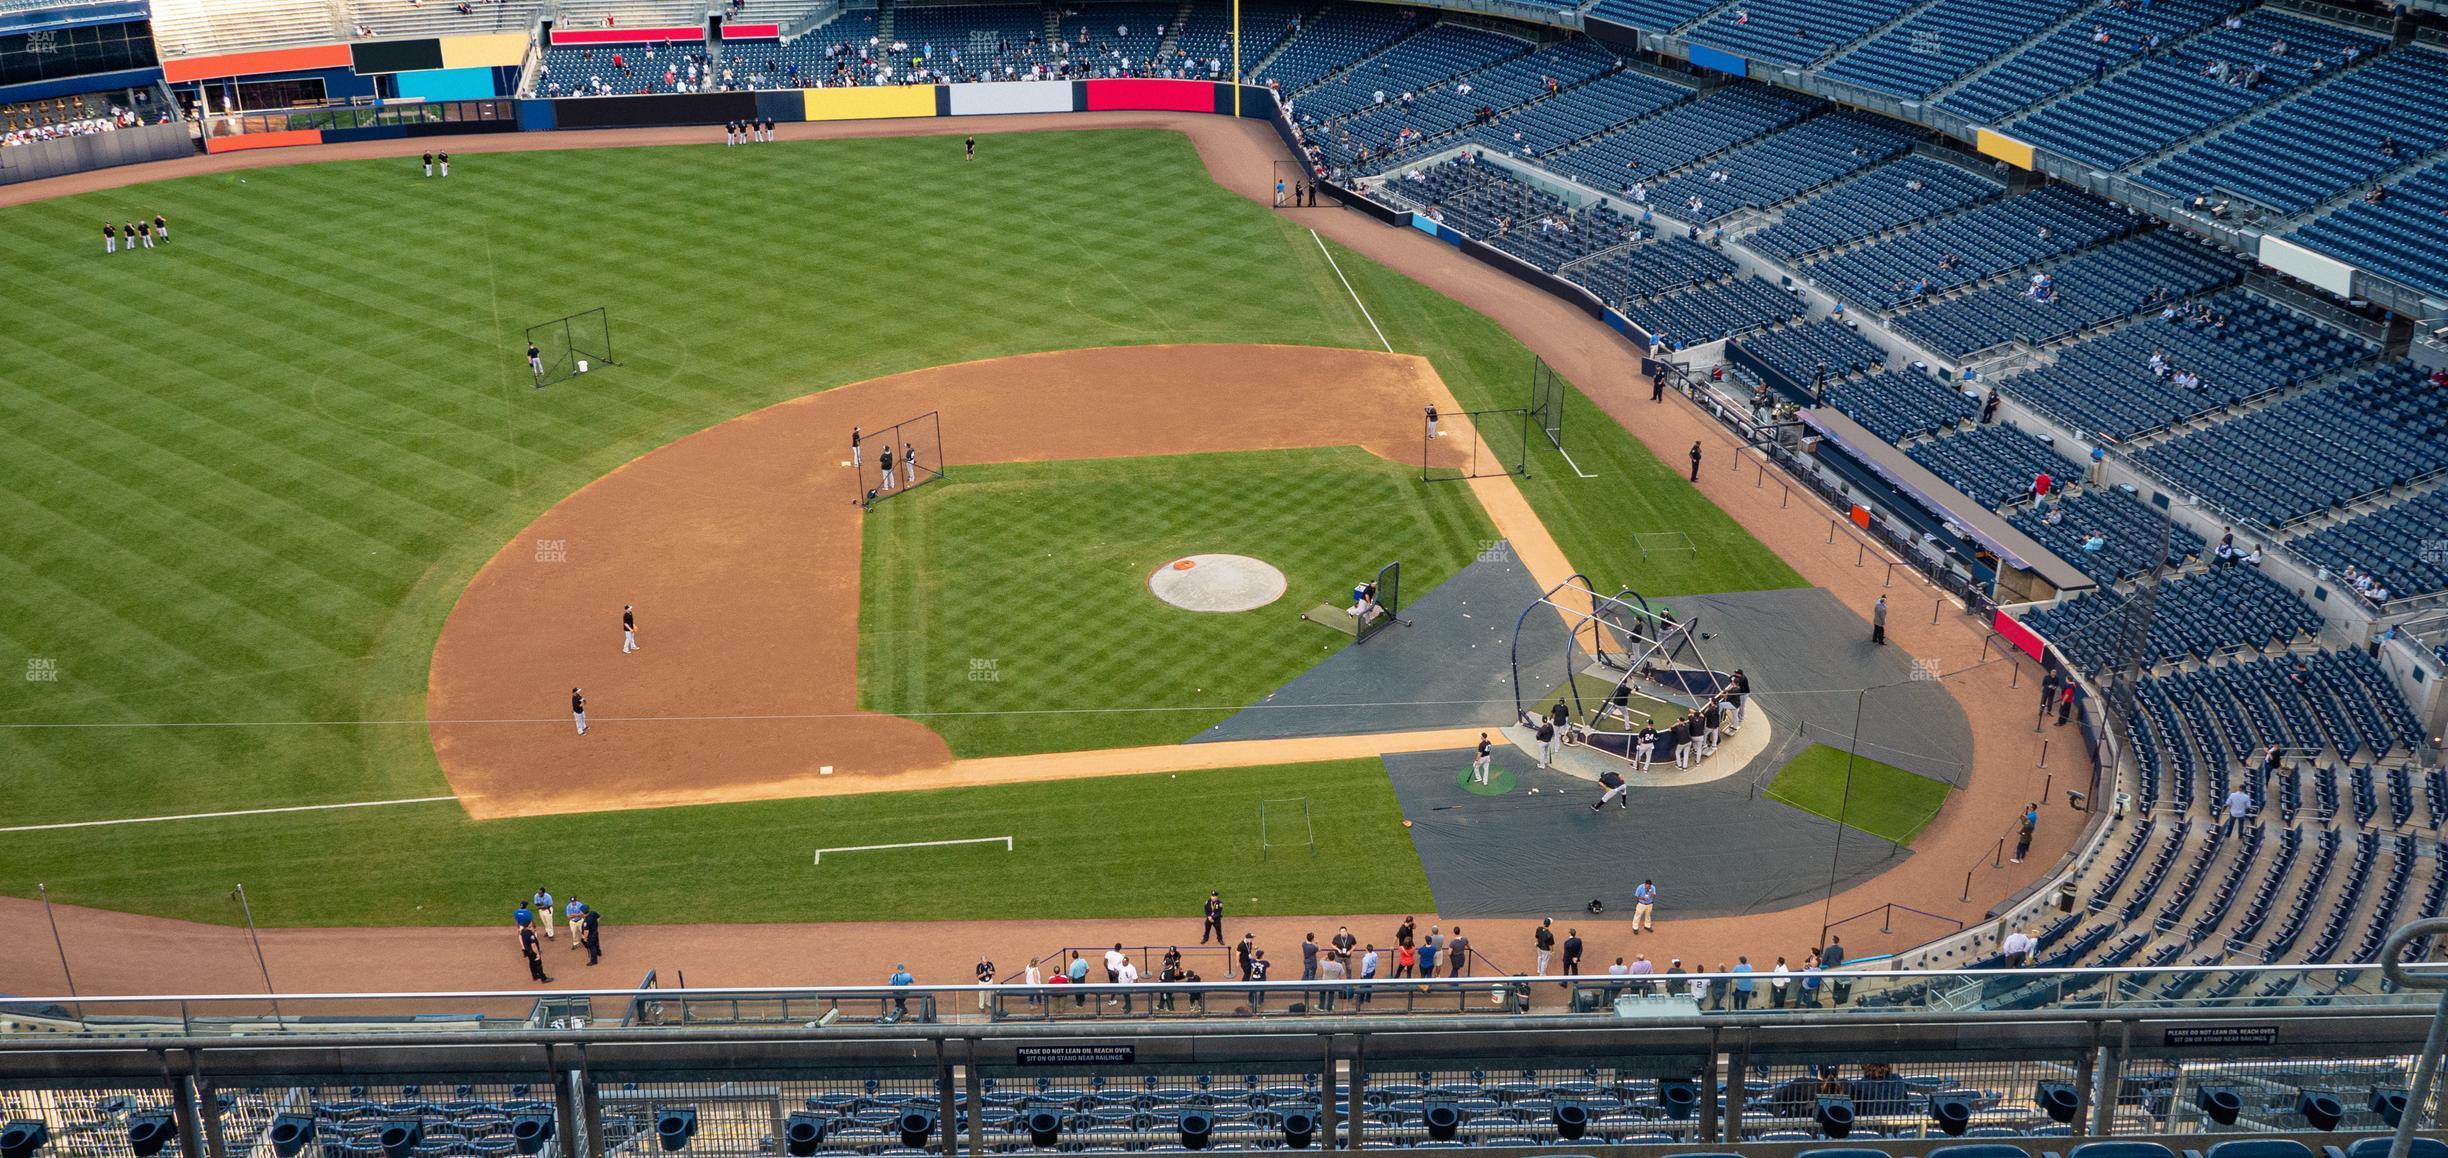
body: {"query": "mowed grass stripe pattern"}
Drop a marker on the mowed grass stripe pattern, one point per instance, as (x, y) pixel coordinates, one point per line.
(252, 469)
(1008, 606)
(1126, 846)
(1592, 519)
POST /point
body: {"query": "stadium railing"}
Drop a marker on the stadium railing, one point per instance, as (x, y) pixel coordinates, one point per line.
(1634, 1082)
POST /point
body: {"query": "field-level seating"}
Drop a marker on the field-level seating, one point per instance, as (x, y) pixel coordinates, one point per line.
(1418, 62)
(2403, 546)
(1994, 465)
(1897, 405)
(2129, 534)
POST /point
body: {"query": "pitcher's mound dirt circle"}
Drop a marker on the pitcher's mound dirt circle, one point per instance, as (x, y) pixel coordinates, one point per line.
(1217, 583)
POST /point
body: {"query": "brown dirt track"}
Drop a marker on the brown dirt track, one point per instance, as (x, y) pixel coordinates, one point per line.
(740, 547)
(118, 953)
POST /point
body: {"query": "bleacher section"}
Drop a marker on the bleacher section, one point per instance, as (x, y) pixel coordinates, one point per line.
(973, 39)
(630, 13)
(1793, 32)
(2204, 615)
(1441, 109)
(206, 27)
(1335, 39)
(1942, 42)
(391, 19)
(1783, 165)
(2113, 282)
(2399, 237)
(1653, 15)
(1994, 465)
(2322, 143)
(1871, 203)
(1983, 243)
(2198, 83)
(1580, 113)
(1108, 37)
(833, 53)
(2075, 53)
(1434, 55)
(1680, 135)
(622, 69)
(2404, 546)
(2381, 429)
(2105, 385)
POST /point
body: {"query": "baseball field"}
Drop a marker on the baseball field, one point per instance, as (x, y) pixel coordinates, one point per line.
(255, 472)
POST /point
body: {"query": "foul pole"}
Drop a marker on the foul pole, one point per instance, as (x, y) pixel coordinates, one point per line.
(1236, 51)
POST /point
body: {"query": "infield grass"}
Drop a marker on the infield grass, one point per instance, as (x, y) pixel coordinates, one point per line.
(250, 472)
(1886, 801)
(1008, 608)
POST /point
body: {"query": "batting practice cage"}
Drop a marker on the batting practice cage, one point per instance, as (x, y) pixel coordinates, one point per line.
(1624, 663)
(1475, 444)
(897, 459)
(571, 346)
(1375, 605)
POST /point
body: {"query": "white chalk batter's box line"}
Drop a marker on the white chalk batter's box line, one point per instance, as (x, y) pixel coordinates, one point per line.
(1005, 841)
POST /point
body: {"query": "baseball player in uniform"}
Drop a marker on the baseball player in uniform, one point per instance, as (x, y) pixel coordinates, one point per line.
(1432, 421)
(969, 149)
(429, 164)
(909, 464)
(885, 461)
(1483, 761)
(578, 709)
(854, 448)
(628, 629)
(144, 230)
(535, 362)
(445, 159)
(769, 130)
(1546, 742)
(161, 227)
(1616, 787)
(127, 233)
(110, 238)
(730, 133)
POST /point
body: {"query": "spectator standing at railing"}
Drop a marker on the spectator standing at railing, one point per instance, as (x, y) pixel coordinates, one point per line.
(1458, 951)
(1428, 952)
(1839, 987)
(985, 976)
(1309, 957)
(1246, 951)
(1779, 978)
(900, 979)
(1256, 970)
(1643, 968)
(1742, 984)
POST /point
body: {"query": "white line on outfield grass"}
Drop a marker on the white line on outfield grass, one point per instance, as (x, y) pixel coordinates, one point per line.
(1005, 841)
(219, 815)
(1347, 288)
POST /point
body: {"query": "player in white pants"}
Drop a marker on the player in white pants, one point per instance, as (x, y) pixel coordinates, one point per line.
(909, 463)
(1644, 748)
(1481, 763)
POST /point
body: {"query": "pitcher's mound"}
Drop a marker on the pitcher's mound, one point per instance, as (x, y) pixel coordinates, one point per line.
(1217, 583)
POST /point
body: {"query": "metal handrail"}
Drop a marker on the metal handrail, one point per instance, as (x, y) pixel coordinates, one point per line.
(2426, 1068)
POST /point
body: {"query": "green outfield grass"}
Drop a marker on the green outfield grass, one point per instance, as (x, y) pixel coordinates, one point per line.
(251, 471)
(1121, 846)
(1063, 648)
(1886, 801)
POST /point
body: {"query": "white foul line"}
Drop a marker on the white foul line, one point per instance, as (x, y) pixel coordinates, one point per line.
(219, 815)
(1381, 338)
(1007, 845)
(1347, 288)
